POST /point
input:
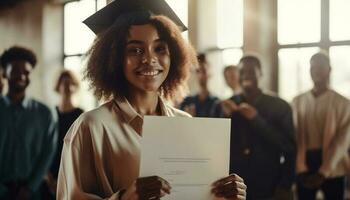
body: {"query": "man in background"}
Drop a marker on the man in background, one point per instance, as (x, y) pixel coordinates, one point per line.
(322, 119)
(262, 137)
(27, 130)
(231, 75)
(202, 104)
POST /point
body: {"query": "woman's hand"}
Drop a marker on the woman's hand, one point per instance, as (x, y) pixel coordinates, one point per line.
(231, 187)
(147, 188)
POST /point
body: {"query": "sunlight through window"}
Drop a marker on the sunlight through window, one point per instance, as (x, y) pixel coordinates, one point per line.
(230, 23)
(77, 40)
(77, 36)
(180, 7)
(299, 21)
(340, 75)
(294, 71)
(339, 20)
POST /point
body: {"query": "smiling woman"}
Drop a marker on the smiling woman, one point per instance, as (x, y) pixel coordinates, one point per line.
(137, 60)
(109, 81)
(147, 59)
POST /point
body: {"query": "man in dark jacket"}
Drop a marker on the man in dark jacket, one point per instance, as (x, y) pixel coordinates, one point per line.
(262, 137)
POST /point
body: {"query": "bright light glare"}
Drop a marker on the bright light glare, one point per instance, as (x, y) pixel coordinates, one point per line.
(340, 75)
(84, 97)
(231, 56)
(180, 7)
(230, 23)
(294, 71)
(339, 20)
(101, 4)
(299, 21)
(78, 37)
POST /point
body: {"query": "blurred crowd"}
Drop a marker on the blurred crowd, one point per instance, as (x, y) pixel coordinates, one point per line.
(281, 150)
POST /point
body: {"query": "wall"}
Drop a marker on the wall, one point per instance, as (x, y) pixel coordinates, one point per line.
(52, 46)
(21, 25)
(36, 25)
(260, 37)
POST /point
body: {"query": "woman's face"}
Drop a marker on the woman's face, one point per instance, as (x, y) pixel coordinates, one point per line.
(147, 59)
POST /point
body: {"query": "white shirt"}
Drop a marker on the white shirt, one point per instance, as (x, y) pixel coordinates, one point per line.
(101, 152)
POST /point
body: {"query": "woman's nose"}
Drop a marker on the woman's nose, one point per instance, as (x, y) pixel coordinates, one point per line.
(149, 57)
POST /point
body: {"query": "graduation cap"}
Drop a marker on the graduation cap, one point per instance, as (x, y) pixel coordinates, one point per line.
(106, 17)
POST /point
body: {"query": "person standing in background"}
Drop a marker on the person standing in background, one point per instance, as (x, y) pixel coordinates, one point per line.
(262, 137)
(322, 121)
(67, 85)
(231, 75)
(28, 131)
(202, 104)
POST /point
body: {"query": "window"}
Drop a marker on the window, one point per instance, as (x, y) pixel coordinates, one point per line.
(295, 75)
(299, 21)
(229, 43)
(231, 56)
(230, 23)
(339, 20)
(305, 27)
(77, 40)
(230, 30)
(340, 62)
(180, 7)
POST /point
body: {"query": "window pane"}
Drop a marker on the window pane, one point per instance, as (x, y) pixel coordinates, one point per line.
(294, 71)
(340, 75)
(339, 20)
(230, 23)
(84, 98)
(218, 60)
(231, 56)
(299, 21)
(180, 7)
(101, 4)
(73, 63)
(77, 36)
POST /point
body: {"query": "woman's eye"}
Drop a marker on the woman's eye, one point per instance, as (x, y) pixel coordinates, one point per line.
(135, 51)
(161, 48)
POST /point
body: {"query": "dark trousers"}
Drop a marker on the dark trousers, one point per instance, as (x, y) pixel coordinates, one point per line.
(332, 188)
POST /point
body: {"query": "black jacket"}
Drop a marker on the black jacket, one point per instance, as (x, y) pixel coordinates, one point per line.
(263, 150)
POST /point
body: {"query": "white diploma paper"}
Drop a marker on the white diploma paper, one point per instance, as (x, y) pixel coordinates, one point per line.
(190, 153)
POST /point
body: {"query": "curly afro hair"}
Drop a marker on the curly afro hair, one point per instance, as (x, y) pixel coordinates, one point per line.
(17, 53)
(106, 58)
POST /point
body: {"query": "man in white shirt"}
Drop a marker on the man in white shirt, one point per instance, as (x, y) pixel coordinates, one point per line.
(322, 119)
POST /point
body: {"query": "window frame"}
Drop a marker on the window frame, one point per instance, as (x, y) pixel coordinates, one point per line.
(80, 55)
(64, 36)
(325, 42)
